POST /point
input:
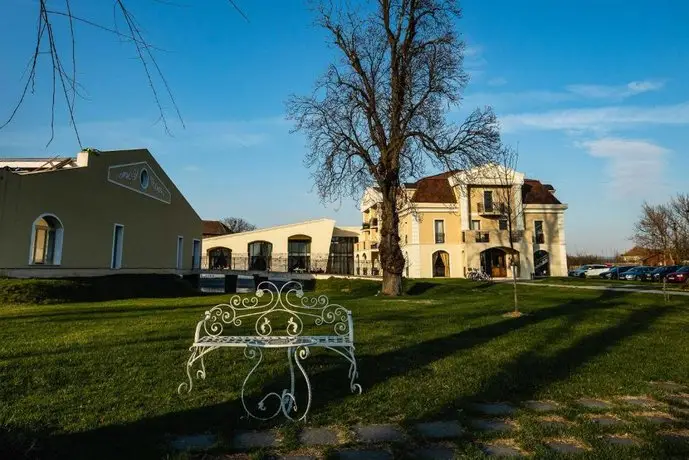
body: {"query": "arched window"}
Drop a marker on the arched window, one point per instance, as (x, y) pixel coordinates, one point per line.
(46, 241)
(219, 258)
(441, 264)
(299, 253)
(259, 255)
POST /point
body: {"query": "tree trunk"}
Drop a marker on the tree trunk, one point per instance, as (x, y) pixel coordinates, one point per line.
(391, 257)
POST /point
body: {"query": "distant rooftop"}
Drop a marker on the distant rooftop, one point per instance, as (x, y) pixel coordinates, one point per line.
(38, 164)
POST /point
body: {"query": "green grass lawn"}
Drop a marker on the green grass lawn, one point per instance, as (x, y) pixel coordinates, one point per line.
(100, 380)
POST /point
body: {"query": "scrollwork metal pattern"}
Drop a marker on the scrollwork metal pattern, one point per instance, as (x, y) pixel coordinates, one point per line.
(269, 301)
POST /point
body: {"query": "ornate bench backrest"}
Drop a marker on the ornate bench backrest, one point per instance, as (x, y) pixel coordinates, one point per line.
(273, 311)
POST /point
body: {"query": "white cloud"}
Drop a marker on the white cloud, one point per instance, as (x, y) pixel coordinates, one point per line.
(192, 168)
(497, 81)
(615, 92)
(634, 165)
(600, 119)
(474, 62)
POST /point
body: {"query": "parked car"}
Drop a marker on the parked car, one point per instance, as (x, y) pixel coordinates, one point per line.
(679, 276)
(636, 273)
(659, 273)
(588, 270)
(615, 272)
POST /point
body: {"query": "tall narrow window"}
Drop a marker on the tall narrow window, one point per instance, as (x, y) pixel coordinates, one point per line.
(503, 224)
(117, 245)
(539, 236)
(488, 200)
(439, 231)
(476, 225)
(196, 255)
(180, 252)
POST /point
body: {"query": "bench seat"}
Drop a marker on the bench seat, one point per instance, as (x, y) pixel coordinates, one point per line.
(274, 341)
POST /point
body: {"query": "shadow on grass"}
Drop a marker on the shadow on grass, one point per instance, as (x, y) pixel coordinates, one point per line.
(521, 378)
(421, 287)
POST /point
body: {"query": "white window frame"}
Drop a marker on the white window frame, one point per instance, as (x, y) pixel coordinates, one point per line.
(179, 262)
(474, 227)
(59, 235)
(195, 256)
(435, 231)
(116, 259)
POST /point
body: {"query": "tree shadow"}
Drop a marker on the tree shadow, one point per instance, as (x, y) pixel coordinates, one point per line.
(420, 287)
(522, 377)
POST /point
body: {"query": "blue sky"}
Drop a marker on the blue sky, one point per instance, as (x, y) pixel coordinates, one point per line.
(594, 94)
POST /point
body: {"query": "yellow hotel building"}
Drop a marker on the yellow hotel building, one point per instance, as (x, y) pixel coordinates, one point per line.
(455, 222)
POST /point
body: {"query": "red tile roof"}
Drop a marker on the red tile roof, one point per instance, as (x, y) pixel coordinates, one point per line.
(214, 228)
(534, 192)
(434, 189)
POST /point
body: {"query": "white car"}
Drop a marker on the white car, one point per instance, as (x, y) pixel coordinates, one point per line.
(589, 270)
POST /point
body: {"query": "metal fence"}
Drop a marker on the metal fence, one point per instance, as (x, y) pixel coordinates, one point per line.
(336, 264)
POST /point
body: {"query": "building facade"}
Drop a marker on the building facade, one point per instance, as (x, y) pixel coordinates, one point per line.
(488, 219)
(97, 214)
(315, 246)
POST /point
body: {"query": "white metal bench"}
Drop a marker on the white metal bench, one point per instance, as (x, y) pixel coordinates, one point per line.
(281, 315)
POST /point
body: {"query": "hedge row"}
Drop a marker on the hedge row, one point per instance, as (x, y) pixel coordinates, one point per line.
(47, 291)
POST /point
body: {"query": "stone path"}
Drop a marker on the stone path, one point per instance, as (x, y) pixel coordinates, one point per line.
(492, 427)
(606, 288)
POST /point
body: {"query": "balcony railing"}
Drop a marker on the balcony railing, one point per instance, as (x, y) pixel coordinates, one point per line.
(492, 209)
(496, 236)
(439, 238)
(365, 226)
(374, 245)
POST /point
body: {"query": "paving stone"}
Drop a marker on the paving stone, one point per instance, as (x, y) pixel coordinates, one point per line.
(379, 433)
(319, 437)
(493, 408)
(678, 436)
(440, 430)
(671, 387)
(253, 439)
(606, 420)
(491, 425)
(434, 453)
(594, 403)
(657, 419)
(194, 442)
(641, 401)
(501, 450)
(621, 440)
(565, 447)
(681, 399)
(364, 455)
(540, 406)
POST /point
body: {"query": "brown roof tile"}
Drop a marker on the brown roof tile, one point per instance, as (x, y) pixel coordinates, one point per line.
(434, 189)
(214, 227)
(534, 192)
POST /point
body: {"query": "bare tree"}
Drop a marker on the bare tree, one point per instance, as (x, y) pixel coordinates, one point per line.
(511, 209)
(237, 224)
(380, 110)
(56, 26)
(654, 230)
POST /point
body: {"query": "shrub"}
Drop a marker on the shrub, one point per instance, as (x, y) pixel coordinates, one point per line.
(47, 291)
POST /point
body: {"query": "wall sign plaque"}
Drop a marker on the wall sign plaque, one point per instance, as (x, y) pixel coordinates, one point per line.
(140, 178)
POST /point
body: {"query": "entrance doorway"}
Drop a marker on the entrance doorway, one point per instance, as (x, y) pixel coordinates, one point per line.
(541, 263)
(494, 262)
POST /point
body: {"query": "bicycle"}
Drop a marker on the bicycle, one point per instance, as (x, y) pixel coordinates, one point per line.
(478, 275)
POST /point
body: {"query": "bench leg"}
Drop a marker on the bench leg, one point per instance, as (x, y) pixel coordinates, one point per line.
(287, 403)
(353, 373)
(197, 354)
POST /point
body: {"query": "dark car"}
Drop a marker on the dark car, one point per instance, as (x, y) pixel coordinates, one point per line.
(615, 272)
(636, 273)
(659, 273)
(679, 276)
